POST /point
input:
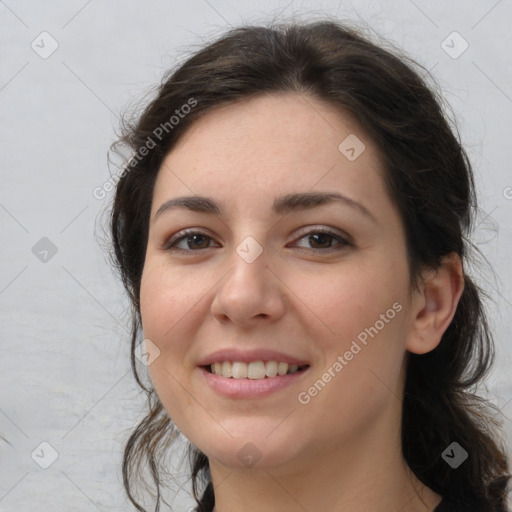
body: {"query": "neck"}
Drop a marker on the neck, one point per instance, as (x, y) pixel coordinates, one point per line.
(363, 473)
(391, 487)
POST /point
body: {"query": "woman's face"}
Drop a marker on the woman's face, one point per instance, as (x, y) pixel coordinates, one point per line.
(260, 278)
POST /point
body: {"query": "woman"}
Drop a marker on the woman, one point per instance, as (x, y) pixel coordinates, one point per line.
(291, 230)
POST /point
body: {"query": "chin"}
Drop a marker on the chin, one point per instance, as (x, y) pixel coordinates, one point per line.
(250, 452)
(249, 457)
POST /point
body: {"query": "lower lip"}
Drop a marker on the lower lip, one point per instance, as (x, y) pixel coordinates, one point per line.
(250, 388)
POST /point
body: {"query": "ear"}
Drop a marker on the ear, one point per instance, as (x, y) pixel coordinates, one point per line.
(435, 305)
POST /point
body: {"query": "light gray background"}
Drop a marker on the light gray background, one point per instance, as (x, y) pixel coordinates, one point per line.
(64, 370)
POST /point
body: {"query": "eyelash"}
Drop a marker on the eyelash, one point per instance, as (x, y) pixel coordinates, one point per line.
(186, 233)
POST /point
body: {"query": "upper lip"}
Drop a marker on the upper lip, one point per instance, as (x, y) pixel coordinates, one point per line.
(248, 356)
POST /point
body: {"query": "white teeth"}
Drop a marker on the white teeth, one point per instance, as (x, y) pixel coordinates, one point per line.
(255, 370)
(282, 368)
(271, 368)
(239, 370)
(226, 369)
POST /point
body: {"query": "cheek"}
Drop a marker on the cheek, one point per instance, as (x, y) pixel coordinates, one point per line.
(166, 307)
(165, 299)
(164, 304)
(171, 302)
(351, 299)
(359, 375)
(362, 313)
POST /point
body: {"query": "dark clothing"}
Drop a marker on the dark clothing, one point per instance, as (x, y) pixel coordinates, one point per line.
(452, 505)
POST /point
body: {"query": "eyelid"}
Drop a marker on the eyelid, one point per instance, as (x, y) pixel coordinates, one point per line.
(183, 233)
(322, 228)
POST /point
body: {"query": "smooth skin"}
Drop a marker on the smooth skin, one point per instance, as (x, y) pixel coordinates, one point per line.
(305, 295)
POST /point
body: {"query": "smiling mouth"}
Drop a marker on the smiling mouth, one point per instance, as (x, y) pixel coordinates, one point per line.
(256, 370)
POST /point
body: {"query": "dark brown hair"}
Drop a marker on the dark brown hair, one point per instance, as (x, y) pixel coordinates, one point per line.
(429, 177)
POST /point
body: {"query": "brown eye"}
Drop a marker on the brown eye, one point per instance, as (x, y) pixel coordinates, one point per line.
(194, 240)
(322, 240)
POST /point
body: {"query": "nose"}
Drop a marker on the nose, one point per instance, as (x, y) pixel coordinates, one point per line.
(250, 292)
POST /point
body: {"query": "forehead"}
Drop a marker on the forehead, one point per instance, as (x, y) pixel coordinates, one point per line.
(256, 149)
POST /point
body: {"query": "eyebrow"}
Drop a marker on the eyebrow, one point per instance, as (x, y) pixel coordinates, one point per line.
(281, 205)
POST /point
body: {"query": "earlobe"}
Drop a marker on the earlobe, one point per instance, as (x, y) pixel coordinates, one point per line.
(436, 305)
